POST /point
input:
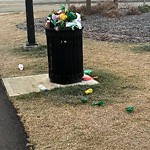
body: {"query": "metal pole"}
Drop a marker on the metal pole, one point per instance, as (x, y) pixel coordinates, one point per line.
(30, 23)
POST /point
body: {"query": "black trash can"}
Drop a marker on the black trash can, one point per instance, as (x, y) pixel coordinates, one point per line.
(65, 55)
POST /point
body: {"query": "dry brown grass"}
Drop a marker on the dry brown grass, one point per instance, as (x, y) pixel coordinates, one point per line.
(11, 38)
(133, 11)
(85, 127)
(79, 127)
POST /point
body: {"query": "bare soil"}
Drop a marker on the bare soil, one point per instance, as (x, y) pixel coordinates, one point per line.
(69, 127)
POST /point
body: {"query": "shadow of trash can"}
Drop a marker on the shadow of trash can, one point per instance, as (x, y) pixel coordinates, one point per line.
(65, 55)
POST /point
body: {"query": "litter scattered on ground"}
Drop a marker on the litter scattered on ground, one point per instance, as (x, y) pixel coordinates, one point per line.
(20, 66)
(86, 78)
(42, 88)
(98, 103)
(87, 72)
(130, 109)
(89, 91)
(84, 100)
(95, 77)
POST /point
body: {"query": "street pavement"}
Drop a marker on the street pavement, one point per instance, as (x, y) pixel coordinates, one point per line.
(12, 134)
(15, 6)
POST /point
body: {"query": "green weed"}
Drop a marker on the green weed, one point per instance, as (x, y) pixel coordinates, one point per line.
(144, 8)
(142, 48)
(109, 87)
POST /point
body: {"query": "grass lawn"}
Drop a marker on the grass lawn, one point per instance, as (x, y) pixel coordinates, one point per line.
(58, 120)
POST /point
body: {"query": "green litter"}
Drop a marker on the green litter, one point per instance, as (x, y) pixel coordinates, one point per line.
(87, 72)
(84, 100)
(130, 109)
(98, 103)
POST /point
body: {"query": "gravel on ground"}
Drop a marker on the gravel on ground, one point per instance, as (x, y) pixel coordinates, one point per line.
(130, 29)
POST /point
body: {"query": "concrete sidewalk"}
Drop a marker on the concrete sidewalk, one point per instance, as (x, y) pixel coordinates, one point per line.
(23, 85)
(12, 133)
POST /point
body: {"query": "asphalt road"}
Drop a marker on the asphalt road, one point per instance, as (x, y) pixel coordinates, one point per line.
(12, 134)
(10, 6)
(14, 6)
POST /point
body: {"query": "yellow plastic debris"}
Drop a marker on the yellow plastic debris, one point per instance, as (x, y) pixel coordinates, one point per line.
(89, 91)
(63, 17)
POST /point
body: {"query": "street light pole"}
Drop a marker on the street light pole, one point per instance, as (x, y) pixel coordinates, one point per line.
(30, 23)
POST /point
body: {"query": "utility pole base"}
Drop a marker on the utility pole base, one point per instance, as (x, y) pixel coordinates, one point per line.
(28, 46)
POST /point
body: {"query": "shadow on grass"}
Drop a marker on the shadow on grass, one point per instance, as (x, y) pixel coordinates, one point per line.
(109, 89)
(142, 48)
(40, 51)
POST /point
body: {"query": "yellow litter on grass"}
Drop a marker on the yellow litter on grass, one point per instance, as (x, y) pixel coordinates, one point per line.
(89, 91)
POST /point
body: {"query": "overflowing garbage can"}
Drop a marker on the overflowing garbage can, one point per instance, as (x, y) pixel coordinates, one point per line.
(65, 55)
